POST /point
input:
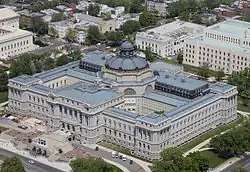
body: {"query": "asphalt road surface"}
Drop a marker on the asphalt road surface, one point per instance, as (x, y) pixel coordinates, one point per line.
(36, 167)
(107, 155)
(244, 163)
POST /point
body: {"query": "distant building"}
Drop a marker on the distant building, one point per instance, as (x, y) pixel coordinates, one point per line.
(104, 25)
(208, 18)
(13, 41)
(159, 6)
(223, 46)
(28, 18)
(167, 40)
(61, 27)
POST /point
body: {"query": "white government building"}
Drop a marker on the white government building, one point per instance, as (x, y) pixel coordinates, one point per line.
(168, 40)
(223, 46)
(124, 100)
(13, 41)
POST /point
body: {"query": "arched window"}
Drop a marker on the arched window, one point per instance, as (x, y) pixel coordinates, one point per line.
(129, 91)
(149, 88)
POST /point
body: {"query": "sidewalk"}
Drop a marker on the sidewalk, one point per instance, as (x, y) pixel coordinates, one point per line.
(142, 163)
(225, 164)
(197, 147)
(59, 165)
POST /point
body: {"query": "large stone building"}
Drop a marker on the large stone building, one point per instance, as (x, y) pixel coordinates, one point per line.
(13, 41)
(167, 40)
(124, 100)
(223, 46)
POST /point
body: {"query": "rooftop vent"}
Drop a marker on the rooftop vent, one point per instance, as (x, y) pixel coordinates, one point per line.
(103, 58)
(166, 76)
(183, 80)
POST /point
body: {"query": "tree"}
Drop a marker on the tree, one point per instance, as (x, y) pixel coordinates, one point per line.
(240, 79)
(203, 71)
(3, 81)
(197, 19)
(245, 97)
(239, 169)
(22, 65)
(62, 60)
(233, 142)
(180, 58)
(219, 75)
(92, 164)
(40, 27)
(48, 63)
(115, 36)
(53, 32)
(71, 35)
(185, 15)
(93, 35)
(12, 164)
(173, 160)
(58, 17)
(136, 7)
(147, 19)
(130, 27)
(149, 55)
(93, 10)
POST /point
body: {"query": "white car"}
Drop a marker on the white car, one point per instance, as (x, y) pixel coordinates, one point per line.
(31, 162)
(124, 157)
(113, 154)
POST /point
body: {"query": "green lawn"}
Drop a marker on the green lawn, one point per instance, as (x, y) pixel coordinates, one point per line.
(213, 158)
(242, 107)
(115, 148)
(3, 96)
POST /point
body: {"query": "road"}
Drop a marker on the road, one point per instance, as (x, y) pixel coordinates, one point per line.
(37, 167)
(107, 155)
(244, 163)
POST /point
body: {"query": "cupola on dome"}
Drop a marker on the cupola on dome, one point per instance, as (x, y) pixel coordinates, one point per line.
(126, 60)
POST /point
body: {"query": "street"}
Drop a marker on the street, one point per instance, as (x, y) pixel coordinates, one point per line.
(244, 163)
(37, 167)
(107, 155)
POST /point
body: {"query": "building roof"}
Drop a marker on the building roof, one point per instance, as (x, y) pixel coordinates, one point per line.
(163, 66)
(232, 27)
(88, 18)
(90, 94)
(127, 59)
(222, 44)
(96, 57)
(221, 87)
(13, 33)
(164, 98)
(24, 79)
(6, 13)
(41, 88)
(180, 81)
(121, 113)
(172, 30)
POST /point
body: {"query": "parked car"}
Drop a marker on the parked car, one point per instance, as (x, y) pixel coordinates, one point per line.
(124, 157)
(31, 161)
(131, 161)
(96, 148)
(113, 155)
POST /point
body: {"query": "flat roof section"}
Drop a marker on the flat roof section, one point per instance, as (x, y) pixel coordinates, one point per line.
(218, 43)
(90, 94)
(233, 27)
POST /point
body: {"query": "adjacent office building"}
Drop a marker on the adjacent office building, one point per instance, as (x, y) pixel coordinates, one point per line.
(13, 41)
(223, 46)
(167, 40)
(124, 100)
